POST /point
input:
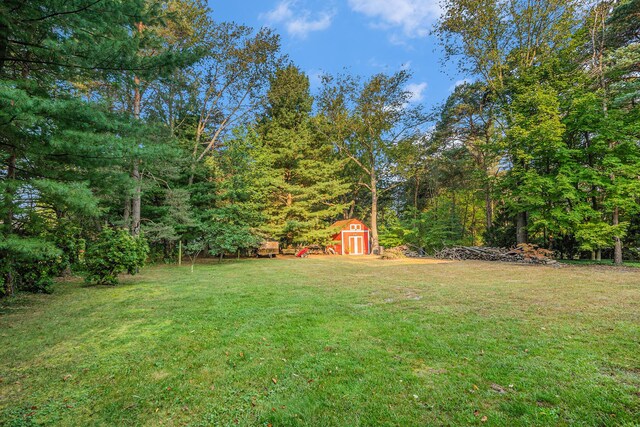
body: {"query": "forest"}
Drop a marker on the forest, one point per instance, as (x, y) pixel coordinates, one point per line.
(131, 130)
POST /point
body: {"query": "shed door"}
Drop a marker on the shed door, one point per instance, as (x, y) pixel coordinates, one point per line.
(356, 245)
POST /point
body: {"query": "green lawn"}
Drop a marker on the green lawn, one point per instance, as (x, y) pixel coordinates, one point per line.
(605, 262)
(328, 341)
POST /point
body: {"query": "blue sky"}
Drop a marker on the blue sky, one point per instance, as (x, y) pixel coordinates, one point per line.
(362, 37)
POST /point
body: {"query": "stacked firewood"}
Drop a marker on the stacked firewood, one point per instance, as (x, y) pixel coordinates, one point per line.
(316, 249)
(523, 253)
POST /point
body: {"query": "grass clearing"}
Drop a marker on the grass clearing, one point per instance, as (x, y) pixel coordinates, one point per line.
(328, 341)
(604, 262)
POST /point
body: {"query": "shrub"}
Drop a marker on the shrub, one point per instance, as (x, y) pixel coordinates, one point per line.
(115, 252)
(33, 263)
(67, 238)
(37, 275)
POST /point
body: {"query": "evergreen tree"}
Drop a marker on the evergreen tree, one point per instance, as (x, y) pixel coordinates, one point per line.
(58, 146)
(301, 170)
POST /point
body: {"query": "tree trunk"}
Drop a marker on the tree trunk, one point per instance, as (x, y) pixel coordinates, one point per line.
(9, 195)
(126, 217)
(465, 216)
(4, 44)
(617, 253)
(135, 174)
(136, 202)
(194, 156)
(375, 248)
(473, 224)
(352, 209)
(488, 206)
(521, 228)
(415, 196)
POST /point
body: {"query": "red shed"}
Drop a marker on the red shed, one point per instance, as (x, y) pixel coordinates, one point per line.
(353, 238)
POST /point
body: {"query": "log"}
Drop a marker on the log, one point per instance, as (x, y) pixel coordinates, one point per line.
(523, 253)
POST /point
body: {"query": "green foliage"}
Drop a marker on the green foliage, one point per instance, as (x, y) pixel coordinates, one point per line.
(437, 228)
(393, 233)
(593, 236)
(32, 263)
(227, 238)
(501, 235)
(62, 147)
(114, 252)
(366, 121)
(104, 105)
(195, 247)
(299, 170)
(67, 237)
(556, 105)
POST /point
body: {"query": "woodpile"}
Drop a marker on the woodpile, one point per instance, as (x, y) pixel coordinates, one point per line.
(523, 253)
(316, 249)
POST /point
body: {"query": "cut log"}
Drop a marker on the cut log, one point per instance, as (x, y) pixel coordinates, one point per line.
(523, 253)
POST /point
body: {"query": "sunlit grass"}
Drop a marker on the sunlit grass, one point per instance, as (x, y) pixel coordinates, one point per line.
(604, 262)
(328, 341)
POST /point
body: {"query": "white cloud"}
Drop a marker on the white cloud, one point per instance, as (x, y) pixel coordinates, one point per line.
(298, 23)
(458, 83)
(417, 91)
(414, 17)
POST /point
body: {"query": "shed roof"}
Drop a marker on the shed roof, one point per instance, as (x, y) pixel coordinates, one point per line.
(343, 223)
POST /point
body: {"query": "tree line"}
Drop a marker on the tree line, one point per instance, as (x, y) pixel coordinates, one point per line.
(153, 117)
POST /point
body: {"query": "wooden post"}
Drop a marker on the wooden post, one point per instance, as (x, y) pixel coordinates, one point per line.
(180, 253)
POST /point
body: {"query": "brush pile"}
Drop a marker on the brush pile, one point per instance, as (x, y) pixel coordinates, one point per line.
(403, 251)
(394, 253)
(523, 253)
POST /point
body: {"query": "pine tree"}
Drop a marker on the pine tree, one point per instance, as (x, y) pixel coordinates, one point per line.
(57, 144)
(301, 170)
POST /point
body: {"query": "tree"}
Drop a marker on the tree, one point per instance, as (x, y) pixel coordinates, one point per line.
(301, 170)
(113, 253)
(58, 145)
(605, 119)
(364, 121)
(469, 116)
(498, 41)
(229, 83)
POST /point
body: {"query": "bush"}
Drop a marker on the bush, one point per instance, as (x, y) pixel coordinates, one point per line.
(33, 263)
(115, 252)
(67, 238)
(223, 238)
(37, 275)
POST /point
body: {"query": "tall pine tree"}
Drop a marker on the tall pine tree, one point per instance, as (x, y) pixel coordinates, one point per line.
(301, 178)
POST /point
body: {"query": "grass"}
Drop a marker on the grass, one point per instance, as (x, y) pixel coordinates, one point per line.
(328, 341)
(604, 262)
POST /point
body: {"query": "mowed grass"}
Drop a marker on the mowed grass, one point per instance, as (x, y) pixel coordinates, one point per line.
(604, 262)
(328, 341)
